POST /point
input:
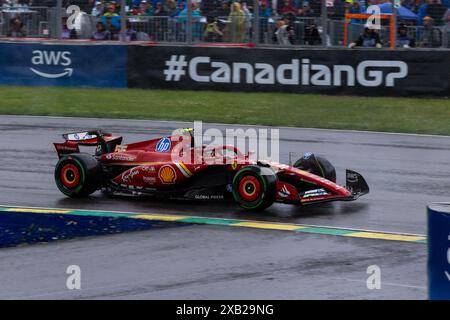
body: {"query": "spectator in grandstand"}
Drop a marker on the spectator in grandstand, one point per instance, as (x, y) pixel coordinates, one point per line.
(337, 11)
(306, 10)
(212, 31)
(100, 33)
(197, 28)
(412, 5)
(16, 28)
(111, 16)
(403, 40)
(368, 39)
(112, 28)
(160, 23)
(428, 35)
(236, 21)
(98, 9)
(264, 10)
(179, 8)
(356, 8)
(446, 19)
(288, 8)
(433, 9)
(224, 9)
(196, 15)
(208, 7)
(436, 11)
(248, 19)
(160, 11)
(110, 10)
(67, 33)
(171, 7)
(284, 33)
(130, 33)
(312, 35)
(145, 8)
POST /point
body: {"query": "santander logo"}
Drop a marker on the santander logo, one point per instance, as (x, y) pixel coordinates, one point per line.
(60, 59)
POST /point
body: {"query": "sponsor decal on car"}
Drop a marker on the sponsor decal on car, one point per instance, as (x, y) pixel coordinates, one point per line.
(307, 155)
(209, 197)
(148, 169)
(149, 180)
(315, 193)
(120, 157)
(183, 169)
(127, 176)
(120, 148)
(163, 145)
(79, 136)
(167, 174)
(284, 192)
(352, 177)
(63, 147)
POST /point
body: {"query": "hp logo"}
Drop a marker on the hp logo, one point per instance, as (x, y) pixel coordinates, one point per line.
(163, 145)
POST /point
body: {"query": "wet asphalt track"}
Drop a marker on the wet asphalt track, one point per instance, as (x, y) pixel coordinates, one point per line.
(405, 172)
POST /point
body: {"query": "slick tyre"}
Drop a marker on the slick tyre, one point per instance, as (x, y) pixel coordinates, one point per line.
(318, 166)
(78, 175)
(254, 187)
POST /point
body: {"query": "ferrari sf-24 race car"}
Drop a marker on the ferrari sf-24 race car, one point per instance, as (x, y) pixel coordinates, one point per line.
(148, 168)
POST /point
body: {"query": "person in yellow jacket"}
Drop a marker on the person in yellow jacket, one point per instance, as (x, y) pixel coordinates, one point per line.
(236, 21)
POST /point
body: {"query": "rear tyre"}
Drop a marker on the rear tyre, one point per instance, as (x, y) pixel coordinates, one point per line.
(317, 165)
(254, 188)
(78, 175)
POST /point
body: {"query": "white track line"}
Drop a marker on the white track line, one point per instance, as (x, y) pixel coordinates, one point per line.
(237, 124)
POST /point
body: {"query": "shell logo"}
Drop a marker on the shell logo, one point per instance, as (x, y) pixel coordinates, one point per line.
(167, 174)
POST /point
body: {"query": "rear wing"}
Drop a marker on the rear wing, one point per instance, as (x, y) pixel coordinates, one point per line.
(105, 142)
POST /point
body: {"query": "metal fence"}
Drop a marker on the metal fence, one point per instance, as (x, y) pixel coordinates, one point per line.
(323, 25)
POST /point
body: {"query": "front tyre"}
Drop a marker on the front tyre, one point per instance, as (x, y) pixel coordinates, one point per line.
(78, 175)
(317, 165)
(254, 187)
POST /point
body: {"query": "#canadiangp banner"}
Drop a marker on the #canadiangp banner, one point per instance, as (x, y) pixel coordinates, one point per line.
(332, 71)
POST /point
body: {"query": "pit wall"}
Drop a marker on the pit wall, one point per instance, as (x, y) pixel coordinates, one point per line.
(233, 68)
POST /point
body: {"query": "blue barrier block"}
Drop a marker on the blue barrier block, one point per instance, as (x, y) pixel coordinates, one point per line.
(76, 65)
(439, 251)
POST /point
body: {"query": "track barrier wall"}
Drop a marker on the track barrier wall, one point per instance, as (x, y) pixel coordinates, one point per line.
(439, 251)
(231, 68)
(63, 65)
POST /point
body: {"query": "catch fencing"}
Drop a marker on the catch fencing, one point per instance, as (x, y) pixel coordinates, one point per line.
(317, 24)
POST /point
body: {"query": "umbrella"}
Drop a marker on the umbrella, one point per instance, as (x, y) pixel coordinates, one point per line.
(402, 12)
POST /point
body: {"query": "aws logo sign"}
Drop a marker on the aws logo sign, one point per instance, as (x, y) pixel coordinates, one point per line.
(59, 61)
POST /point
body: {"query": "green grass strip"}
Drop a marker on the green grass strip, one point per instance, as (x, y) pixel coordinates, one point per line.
(393, 114)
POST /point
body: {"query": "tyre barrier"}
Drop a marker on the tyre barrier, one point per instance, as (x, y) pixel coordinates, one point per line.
(439, 251)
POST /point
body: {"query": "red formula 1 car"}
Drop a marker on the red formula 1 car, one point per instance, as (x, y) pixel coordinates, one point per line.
(148, 168)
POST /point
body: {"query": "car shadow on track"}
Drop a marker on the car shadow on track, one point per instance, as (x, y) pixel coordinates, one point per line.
(218, 208)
